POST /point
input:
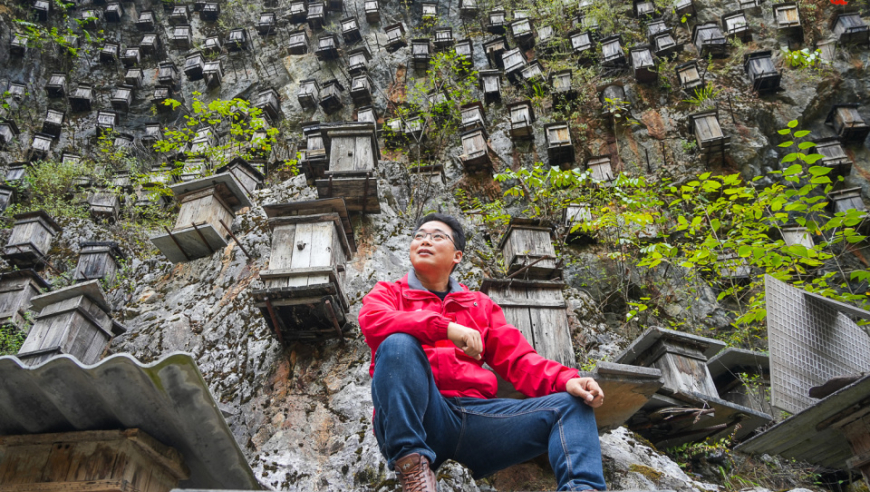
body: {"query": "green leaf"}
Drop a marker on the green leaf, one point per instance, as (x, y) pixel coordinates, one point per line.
(790, 158)
(792, 123)
(801, 133)
(793, 169)
(820, 170)
(805, 145)
(787, 144)
(744, 251)
(813, 158)
(784, 131)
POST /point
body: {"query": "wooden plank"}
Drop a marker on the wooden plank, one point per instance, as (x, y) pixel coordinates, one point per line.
(283, 246)
(301, 258)
(90, 486)
(321, 254)
(363, 159)
(520, 318)
(623, 398)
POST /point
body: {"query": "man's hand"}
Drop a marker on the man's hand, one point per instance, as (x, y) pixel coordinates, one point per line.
(587, 389)
(466, 339)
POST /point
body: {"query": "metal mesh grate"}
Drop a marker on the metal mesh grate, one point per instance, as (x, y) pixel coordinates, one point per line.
(810, 342)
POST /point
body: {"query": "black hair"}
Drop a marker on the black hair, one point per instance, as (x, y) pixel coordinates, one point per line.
(455, 228)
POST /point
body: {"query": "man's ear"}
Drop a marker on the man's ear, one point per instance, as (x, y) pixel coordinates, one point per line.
(457, 257)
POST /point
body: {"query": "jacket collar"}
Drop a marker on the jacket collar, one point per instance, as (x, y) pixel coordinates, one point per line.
(414, 283)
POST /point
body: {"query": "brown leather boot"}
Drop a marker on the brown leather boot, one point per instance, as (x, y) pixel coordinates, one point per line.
(414, 473)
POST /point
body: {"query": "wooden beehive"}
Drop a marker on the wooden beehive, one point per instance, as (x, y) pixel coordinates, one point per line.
(146, 21)
(688, 75)
(708, 40)
(53, 122)
(522, 115)
(560, 150)
(527, 246)
(107, 121)
(151, 44)
(151, 136)
(16, 290)
(514, 61)
(539, 311)
(761, 72)
(788, 19)
(18, 45)
(844, 200)
(90, 18)
(429, 10)
(167, 74)
(72, 321)
(353, 154)
(465, 53)
(468, 8)
(546, 41)
(643, 8)
(444, 39)
(330, 96)
(358, 60)
(297, 42)
(684, 7)
(303, 297)
(834, 156)
(601, 168)
(335, 5)
(313, 156)
(7, 196)
(213, 73)
(17, 90)
(181, 37)
(494, 49)
(350, 30)
(574, 215)
(327, 46)
(267, 24)
(110, 52)
(193, 65)
(490, 84)
(131, 56)
(269, 101)
(207, 211)
(475, 151)
(794, 235)
(708, 133)
(472, 116)
(613, 95)
(642, 64)
(8, 132)
(533, 74)
(664, 44)
(681, 357)
(849, 28)
(98, 260)
(581, 43)
(237, 40)
(249, 177)
(361, 88)
(113, 460)
(523, 32)
(210, 12)
(104, 205)
(732, 267)
(41, 8)
(122, 98)
(56, 86)
(315, 16)
(298, 11)
(113, 12)
(40, 147)
(654, 27)
(735, 26)
(15, 173)
(309, 93)
(848, 123)
(496, 21)
(611, 51)
(742, 377)
(367, 114)
(180, 14)
(421, 53)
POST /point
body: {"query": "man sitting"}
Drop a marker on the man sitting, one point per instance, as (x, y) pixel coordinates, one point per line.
(434, 400)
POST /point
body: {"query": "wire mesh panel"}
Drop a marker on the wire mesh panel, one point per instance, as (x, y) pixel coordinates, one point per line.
(811, 341)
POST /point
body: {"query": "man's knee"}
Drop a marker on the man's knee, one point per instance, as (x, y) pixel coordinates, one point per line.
(398, 346)
(572, 405)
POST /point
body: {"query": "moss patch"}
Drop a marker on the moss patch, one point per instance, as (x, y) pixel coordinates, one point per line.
(646, 471)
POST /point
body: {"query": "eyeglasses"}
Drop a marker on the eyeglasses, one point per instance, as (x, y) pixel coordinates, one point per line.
(437, 237)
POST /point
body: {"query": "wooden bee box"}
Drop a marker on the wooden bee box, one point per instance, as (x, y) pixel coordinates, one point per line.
(315, 15)
(539, 311)
(309, 93)
(8, 132)
(146, 21)
(207, 210)
(643, 65)
(845, 200)
(247, 175)
(527, 246)
(559, 147)
(848, 123)
(297, 42)
(353, 154)
(611, 51)
(16, 290)
(357, 60)
(110, 461)
(98, 260)
(688, 75)
(742, 377)
(708, 133)
(267, 24)
(849, 28)
(444, 38)
(421, 53)
(834, 156)
(330, 96)
(708, 40)
(57, 86)
(72, 321)
(303, 298)
(373, 11)
(350, 30)
(104, 205)
(735, 26)
(494, 50)
(490, 84)
(475, 151)
(30, 239)
(269, 101)
(761, 72)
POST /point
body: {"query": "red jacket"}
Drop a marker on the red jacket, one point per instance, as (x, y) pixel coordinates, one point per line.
(398, 307)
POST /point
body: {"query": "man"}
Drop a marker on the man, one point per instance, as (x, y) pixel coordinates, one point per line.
(434, 400)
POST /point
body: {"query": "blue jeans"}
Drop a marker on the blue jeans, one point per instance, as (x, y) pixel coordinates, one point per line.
(411, 416)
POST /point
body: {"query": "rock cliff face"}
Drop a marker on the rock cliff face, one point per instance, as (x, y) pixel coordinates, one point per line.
(302, 412)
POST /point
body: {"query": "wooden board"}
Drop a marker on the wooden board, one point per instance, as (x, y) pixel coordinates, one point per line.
(352, 190)
(626, 390)
(191, 242)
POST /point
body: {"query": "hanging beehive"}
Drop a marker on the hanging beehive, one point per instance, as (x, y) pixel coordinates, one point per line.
(249, 177)
(735, 26)
(611, 50)
(373, 11)
(361, 88)
(475, 151)
(581, 43)
(528, 248)
(267, 24)
(847, 122)
(849, 28)
(330, 96)
(844, 200)
(207, 211)
(709, 41)
(350, 30)
(395, 37)
(834, 156)
(358, 60)
(315, 16)
(40, 146)
(514, 61)
(110, 52)
(788, 19)
(8, 132)
(151, 44)
(444, 38)
(17, 288)
(146, 21)
(472, 116)
(56, 86)
(708, 133)
(237, 40)
(53, 122)
(131, 56)
(31, 239)
(213, 72)
(496, 21)
(494, 49)
(193, 65)
(98, 260)
(309, 93)
(642, 64)
(421, 53)
(297, 42)
(303, 297)
(490, 84)
(327, 46)
(762, 74)
(269, 101)
(210, 12)
(522, 115)
(559, 147)
(600, 168)
(688, 75)
(353, 154)
(122, 98)
(298, 11)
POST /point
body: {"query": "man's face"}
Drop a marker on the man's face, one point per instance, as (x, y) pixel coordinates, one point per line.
(431, 255)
